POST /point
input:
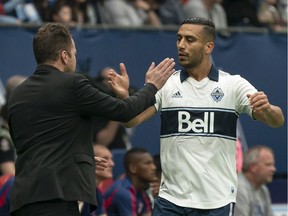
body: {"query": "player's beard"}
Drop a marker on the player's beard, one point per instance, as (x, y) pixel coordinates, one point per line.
(193, 61)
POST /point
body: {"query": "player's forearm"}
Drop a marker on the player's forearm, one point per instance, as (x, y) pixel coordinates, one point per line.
(145, 115)
(273, 117)
(132, 123)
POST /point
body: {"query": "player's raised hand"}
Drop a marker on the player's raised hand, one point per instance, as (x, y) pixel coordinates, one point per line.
(158, 75)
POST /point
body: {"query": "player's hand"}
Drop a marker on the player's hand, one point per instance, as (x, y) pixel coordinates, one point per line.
(264, 111)
(158, 75)
(259, 102)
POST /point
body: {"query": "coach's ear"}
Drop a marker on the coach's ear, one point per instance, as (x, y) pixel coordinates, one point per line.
(64, 56)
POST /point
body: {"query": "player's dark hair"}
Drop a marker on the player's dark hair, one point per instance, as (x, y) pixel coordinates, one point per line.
(209, 27)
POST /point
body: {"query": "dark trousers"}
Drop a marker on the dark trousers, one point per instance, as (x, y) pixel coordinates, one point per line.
(49, 208)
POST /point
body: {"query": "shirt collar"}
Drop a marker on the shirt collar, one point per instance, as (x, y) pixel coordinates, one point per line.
(45, 68)
(213, 74)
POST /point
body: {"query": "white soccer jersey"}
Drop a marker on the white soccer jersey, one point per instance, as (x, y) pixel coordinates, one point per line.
(198, 137)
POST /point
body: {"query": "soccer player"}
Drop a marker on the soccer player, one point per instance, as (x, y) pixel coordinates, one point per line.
(199, 107)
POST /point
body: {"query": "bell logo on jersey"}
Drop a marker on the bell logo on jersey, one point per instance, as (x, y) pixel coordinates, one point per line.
(205, 125)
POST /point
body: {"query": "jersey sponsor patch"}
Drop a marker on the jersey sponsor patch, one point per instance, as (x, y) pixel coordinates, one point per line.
(198, 122)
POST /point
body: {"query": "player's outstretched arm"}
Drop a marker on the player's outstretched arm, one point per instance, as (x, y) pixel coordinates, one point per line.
(145, 115)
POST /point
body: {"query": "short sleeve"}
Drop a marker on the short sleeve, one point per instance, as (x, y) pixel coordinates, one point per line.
(242, 89)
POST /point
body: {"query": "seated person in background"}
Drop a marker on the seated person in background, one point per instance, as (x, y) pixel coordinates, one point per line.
(43, 8)
(239, 155)
(269, 14)
(170, 12)
(62, 12)
(211, 9)
(127, 196)
(101, 152)
(155, 186)
(133, 13)
(110, 133)
(7, 150)
(83, 12)
(8, 11)
(241, 13)
(253, 197)
(6, 182)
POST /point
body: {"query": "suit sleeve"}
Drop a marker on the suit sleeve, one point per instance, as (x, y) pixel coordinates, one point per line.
(91, 101)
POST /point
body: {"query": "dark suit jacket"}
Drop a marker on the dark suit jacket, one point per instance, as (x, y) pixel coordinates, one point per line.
(50, 120)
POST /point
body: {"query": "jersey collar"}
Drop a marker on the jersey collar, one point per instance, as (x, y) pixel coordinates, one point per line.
(213, 74)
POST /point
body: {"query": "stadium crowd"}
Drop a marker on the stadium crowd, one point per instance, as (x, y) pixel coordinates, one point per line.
(255, 13)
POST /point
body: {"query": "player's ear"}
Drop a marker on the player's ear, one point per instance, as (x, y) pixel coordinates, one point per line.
(132, 168)
(209, 47)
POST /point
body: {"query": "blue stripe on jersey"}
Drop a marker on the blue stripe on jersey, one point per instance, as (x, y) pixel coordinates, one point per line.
(212, 122)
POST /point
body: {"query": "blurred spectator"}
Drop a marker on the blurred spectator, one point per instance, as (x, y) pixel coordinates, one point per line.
(7, 150)
(110, 133)
(29, 13)
(83, 12)
(2, 94)
(253, 197)
(8, 11)
(132, 13)
(127, 196)
(241, 13)
(283, 8)
(269, 14)
(43, 9)
(155, 186)
(62, 12)
(24, 11)
(241, 146)
(211, 9)
(102, 14)
(6, 182)
(170, 12)
(239, 155)
(103, 152)
(101, 176)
